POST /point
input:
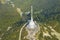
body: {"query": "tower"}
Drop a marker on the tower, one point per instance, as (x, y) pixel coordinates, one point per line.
(31, 24)
(31, 13)
(31, 28)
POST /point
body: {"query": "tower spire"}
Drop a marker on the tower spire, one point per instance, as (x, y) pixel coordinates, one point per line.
(31, 13)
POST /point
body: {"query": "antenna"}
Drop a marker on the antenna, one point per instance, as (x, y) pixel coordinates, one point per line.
(31, 13)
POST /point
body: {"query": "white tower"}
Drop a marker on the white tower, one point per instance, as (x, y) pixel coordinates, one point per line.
(31, 24)
(32, 28)
(31, 13)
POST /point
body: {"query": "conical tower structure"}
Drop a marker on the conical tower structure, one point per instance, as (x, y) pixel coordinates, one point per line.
(31, 24)
(31, 29)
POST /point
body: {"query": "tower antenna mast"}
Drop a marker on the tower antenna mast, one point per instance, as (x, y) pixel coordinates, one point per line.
(31, 13)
